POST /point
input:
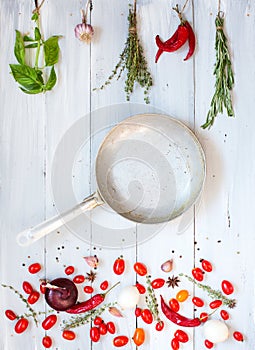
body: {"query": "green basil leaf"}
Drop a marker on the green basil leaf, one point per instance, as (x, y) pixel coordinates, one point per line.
(52, 80)
(26, 76)
(37, 34)
(28, 38)
(32, 92)
(35, 16)
(51, 51)
(39, 76)
(31, 46)
(19, 49)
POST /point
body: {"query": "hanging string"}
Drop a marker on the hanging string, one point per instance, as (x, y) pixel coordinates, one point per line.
(37, 7)
(218, 6)
(184, 6)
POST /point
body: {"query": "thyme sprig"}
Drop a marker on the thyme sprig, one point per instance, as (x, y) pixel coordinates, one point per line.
(214, 294)
(151, 300)
(224, 76)
(133, 60)
(77, 321)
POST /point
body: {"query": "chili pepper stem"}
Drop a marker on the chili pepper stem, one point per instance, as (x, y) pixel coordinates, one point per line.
(111, 288)
(202, 318)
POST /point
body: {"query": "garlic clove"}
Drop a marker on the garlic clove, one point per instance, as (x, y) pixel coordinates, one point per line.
(167, 266)
(115, 312)
(84, 32)
(92, 261)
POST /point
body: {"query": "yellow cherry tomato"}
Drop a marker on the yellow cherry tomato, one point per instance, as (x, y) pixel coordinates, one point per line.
(182, 295)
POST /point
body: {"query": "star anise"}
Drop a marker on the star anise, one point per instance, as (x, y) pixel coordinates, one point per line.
(172, 281)
(91, 276)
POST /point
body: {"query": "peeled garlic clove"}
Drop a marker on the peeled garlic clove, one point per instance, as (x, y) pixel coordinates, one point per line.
(115, 312)
(216, 331)
(167, 266)
(92, 261)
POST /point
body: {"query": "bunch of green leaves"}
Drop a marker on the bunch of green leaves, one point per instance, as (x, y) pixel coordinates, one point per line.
(133, 60)
(32, 78)
(224, 76)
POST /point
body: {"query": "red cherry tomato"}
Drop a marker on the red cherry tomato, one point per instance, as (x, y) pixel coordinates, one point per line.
(47, 342)
(198, 274)
(88, 289)
(140, 269)
(175, 344)
(224, 315)
(94, 334)
(203, 316)
(182, 295)
(120, 340)
(147, 316)
(79, 279)
(119, 266)
(49, 322)
(174, 304)
(21, 325)
(139, 336)
(10, 314)
(206, 265)
(157, 283)
(209, 344)
(227, 287)
(103, 328)
(33, 297)
(141, 288)
(111, 327)
(68, 335)
(197, 301)
(215, 304)
(69, 270)
(138, 311)
(238, 336)
(159, 326)
(104, 285)
(34, 268)
(97, 321)
(181, 336)
(43, 287)
(28, 289)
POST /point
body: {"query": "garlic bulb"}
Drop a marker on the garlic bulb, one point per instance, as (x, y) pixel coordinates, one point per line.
(84, 32)
(216, 331)
(128, 297)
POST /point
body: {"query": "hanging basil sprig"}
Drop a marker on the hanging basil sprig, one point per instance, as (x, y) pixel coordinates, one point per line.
(32, 78)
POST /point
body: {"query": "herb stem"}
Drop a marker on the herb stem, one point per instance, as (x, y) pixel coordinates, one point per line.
(38, 44)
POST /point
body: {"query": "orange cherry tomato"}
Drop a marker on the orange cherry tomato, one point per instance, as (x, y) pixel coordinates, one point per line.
(215, 304)
(104, 285)
(209, 344)
(33, 297)
(174, 304)
(119, 266)
(11, 315)
(197, 302)
(181, 336)
(203, 316)
(238, 336)
(227, 287)
(111, 327)
(69, 270)
(159, 326)
(224, 315)
(139, 336)
(47, 342)
(206, 265)
(88, 289)
(49, 322)
(120, 340)
(198, 274)
(157, 283)
(68, 335)
(140, 269)
(28, 289)
(146, 316)
(141, 288)
(79, 279)
(182, 295)
(34, 268)
(21, 325)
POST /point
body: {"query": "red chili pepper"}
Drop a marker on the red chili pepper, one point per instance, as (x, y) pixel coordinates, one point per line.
(89, 304)
(181, 38)
(177, 318)
(170, 41)
(191, 39)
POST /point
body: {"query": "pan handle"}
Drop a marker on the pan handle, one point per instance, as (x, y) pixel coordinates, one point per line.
(27, 237)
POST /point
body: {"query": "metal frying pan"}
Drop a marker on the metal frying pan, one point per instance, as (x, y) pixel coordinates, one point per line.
(150, 168)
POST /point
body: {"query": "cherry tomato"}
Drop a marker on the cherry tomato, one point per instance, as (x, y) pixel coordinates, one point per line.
(159, 326)
(98, 320)
(140, 269)
(79, 279)
(94, 334)
(33, 297)
(203, 316)
(141, 288)
(174, 304)
(224, 314)
(103, 328)
(182, 295)
(139, 336)
(238, 336)
(34, 268)
(175, 344)
(69, 270)
(206, 265)
(47, 342)
(21, 325)
(215, 304)
(120, 341)
(10, 314)
(88, 289)
(227, 287)
(209, 344)
(68, 335)
(181, 336)
(49, 322)
(111, 327)
(147, 316)
(104, 285)
(157, 283)
(138, 311)
(28, 289)
(119, 266)
(43, 287)
(197, 301)
(198, 274)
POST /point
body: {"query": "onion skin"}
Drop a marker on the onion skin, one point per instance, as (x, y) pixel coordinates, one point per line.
(63, 298)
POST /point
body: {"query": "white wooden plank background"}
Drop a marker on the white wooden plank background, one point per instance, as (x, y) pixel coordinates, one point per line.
(33, 127)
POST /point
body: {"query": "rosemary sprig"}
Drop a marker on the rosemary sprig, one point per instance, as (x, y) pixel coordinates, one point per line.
(133, 60)
(32, 311)
(214, 294)
(77, 321)
(151, 300)
(224, 76)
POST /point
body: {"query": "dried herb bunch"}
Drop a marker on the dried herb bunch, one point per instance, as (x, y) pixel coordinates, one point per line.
(224, 76)
(151, 300)
(133, 60)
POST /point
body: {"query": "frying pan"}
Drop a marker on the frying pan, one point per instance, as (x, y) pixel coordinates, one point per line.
(150, 168)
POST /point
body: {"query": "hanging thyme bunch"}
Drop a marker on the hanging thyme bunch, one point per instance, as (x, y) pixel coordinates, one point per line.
(133, 60)
(224, 76)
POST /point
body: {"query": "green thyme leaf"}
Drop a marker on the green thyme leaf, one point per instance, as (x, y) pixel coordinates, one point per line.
(37, 34)
(52, 80)
(19, 49)
(51, 51)
(31, 46)
(26, 76)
